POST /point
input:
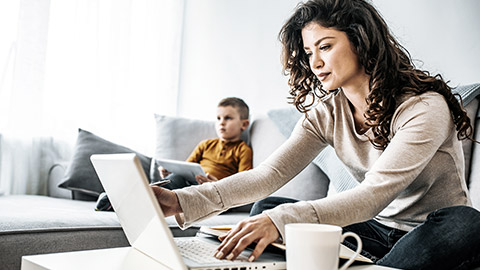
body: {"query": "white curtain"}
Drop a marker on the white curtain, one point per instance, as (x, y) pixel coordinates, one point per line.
(101, 65)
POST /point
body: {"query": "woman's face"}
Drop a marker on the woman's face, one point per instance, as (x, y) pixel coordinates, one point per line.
(331, 57)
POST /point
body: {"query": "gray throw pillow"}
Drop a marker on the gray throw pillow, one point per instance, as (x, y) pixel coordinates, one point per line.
(81, 176)
(176, 137)
(467, 92)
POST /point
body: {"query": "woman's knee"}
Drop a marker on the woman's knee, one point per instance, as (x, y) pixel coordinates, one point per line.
(449, 233)
(461, 215)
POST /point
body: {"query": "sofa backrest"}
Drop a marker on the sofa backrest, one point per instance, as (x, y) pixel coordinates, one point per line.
(265, 137)
(177, 137)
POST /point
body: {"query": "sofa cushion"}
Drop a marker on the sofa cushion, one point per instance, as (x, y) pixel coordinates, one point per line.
(32, 212)
(22, 213)
(81, 176)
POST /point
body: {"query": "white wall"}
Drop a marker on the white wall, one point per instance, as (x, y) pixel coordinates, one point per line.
(230, 48)
(444, 34)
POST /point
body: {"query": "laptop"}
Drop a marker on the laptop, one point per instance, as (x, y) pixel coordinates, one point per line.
(147, 231)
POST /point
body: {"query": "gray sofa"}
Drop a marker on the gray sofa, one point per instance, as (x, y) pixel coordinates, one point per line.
(35, 224)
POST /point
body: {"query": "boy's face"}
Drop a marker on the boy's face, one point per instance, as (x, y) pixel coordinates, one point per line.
(229, 126)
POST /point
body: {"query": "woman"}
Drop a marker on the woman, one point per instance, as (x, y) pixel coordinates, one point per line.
(396, 128)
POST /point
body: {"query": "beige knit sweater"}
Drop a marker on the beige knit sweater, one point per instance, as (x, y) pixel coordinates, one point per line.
(421, 170)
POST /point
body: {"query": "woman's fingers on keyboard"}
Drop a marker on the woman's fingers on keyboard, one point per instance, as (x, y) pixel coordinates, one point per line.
(258, 228)
(230, 241)
(241, 245)
(225, 240)
(259, 248)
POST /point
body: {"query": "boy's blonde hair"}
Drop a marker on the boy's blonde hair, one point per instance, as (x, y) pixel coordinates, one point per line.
(238, 104)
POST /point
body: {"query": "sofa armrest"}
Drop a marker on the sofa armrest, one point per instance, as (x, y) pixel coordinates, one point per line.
(55, 176)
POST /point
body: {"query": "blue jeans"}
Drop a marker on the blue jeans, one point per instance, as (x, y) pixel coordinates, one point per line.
(448, 239)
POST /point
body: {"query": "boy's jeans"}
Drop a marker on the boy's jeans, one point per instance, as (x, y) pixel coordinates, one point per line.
(448, 239)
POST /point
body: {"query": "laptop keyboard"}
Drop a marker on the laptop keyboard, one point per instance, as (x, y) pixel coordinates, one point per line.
(201, 251)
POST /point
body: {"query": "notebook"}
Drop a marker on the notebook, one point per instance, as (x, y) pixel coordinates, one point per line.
(145, 227)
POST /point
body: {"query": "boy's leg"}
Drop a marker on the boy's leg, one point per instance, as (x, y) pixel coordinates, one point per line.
(448, 239)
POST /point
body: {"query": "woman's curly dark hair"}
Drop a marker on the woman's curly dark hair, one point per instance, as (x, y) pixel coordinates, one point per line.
(389, 65)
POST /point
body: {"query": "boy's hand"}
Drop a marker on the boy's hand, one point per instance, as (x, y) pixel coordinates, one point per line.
(168, 201)
(202, 179)
(163, 172)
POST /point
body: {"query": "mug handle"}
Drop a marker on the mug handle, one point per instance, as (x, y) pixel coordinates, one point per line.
(357, 252)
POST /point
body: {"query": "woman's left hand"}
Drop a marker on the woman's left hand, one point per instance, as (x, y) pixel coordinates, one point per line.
(202, 179)
(259, 229)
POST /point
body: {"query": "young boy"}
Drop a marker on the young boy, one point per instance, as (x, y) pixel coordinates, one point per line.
(222, 156)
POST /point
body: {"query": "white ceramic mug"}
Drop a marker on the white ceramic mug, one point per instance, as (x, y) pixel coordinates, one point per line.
(316, 246)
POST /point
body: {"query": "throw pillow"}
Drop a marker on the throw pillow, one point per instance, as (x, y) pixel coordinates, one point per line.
(285, 119)
(469, 94)
(81, 176)
(176, 137)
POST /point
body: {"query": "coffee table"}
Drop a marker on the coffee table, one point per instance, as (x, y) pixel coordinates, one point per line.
(112, 258)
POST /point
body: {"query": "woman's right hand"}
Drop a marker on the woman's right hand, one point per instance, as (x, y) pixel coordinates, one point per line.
(168, 201)
(259, 229)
